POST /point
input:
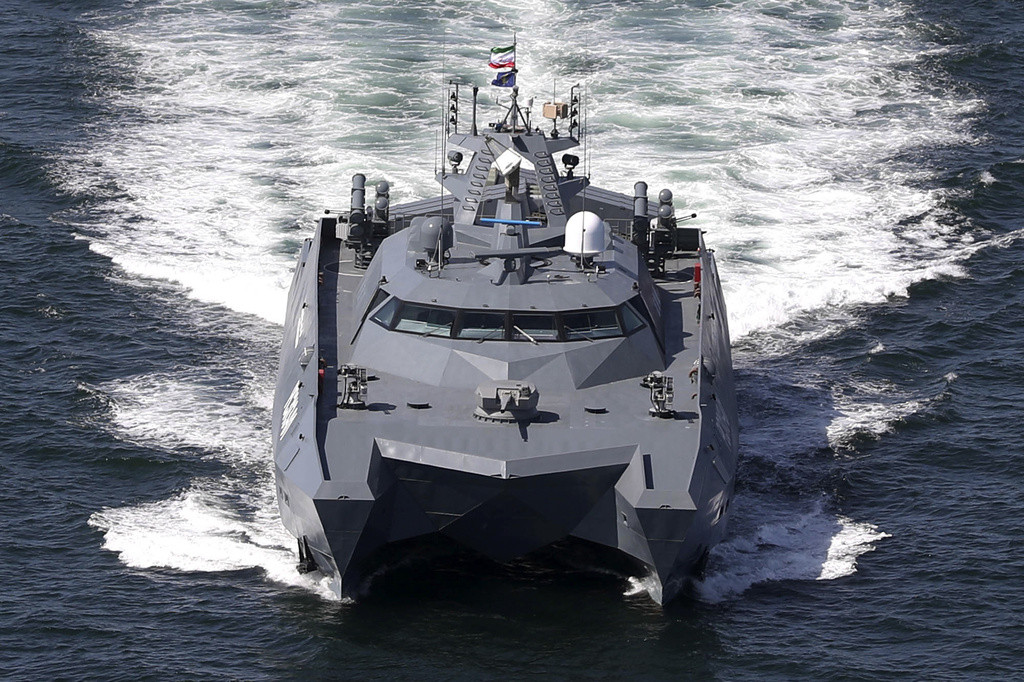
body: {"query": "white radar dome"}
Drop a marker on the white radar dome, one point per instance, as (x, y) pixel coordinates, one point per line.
(585, 234)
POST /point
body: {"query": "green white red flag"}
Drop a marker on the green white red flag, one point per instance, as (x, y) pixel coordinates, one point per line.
(503, 57)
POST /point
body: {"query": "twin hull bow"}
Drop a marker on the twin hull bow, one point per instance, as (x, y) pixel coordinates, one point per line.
(455, 381)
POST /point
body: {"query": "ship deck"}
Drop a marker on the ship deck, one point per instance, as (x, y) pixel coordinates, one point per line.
(413, 412)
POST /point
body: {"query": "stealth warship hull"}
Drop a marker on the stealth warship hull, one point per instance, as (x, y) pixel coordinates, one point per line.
(526, 361)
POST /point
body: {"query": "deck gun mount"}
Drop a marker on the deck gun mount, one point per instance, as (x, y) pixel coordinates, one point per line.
(666, 238)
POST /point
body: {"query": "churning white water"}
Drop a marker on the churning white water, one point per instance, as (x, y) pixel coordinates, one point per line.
(790, 128)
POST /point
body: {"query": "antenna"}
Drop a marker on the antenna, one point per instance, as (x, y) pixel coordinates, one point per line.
(475, 90)
(444, 103)
(585, 134)
(445, 97)
(576, 112)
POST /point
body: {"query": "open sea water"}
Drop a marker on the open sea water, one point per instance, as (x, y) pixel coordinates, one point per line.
(858, 166)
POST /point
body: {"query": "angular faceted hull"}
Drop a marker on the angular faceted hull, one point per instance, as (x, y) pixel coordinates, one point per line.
(459, 371)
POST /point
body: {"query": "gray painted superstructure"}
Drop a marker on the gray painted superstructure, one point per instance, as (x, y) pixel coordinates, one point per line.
(452, 370)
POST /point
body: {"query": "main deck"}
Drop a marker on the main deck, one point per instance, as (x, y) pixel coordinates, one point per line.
(433, 415)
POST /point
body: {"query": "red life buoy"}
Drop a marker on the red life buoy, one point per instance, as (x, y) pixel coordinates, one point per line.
(696, 272)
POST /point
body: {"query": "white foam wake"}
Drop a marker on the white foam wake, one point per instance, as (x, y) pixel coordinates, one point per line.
(871, 419)
(196, 531)
(187, 411)
(229, 523)
(783, 132)
(874, 409)
(817, 545)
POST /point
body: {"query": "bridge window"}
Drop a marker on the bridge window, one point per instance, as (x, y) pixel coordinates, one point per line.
(538, 326)
(638, 303)
(492, 325)
(481, 325)
(386, 315)
(591, 324)
(425, 320)
(378, 298)
(630, 320)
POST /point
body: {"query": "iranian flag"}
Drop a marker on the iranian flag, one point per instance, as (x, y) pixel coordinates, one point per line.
(503, 57)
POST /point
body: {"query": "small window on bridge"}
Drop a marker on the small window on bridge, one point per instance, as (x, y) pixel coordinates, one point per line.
(591, 324)
(425, 320)
(534, 326)
(481, 325)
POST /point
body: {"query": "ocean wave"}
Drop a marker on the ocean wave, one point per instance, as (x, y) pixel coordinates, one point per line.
(785, 133)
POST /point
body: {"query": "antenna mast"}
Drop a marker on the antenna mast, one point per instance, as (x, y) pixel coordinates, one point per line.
(450, 100)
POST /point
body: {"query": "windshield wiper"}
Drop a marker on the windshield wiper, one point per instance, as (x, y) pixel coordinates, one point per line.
(580, 333)
(490, 334)
(532, 340)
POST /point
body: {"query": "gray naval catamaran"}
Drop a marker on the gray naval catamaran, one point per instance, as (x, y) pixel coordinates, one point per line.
(523, 365)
